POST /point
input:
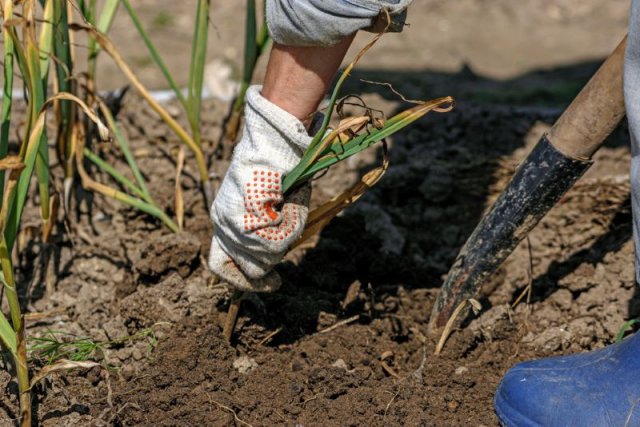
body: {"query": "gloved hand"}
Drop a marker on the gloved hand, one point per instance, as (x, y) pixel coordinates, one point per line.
(254, 223)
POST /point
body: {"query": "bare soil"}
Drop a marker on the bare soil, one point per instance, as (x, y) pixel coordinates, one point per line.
(373, 273)
(377, 267)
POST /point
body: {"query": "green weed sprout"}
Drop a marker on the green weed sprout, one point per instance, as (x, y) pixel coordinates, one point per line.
(54, 346)
(626, 327)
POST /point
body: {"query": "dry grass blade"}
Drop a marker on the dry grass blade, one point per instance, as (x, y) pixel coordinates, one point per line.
(11, 162)
(103, 130)
(179, 202)
(447, 328)
(392, 89)
(344, 127)
(42, 315)
(61, 365)
(47, 227)
(388, 369)
(269, 337)
(322, 215)
(340, 323)
(529, 288)
(352, 125)
(475, 305)
(385, 366)
(351, 295)
(235, 415)
(10, 186)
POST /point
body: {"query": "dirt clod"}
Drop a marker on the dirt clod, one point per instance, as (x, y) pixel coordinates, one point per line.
(552, 339)
(162, 254)
(244, 364)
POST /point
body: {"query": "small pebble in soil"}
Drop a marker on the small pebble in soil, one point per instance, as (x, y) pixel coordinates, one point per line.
(461, 370)
(341, 364)
(244, 364)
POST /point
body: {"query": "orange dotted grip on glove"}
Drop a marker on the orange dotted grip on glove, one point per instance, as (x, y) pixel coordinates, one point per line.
(266, 185)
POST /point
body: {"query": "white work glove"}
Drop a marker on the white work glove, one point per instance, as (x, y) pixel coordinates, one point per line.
(254, 224)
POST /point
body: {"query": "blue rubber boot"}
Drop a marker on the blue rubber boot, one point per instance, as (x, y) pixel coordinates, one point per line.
(598, 388)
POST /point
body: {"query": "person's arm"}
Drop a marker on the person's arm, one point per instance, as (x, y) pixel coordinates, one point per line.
(298, 78)
(255, 223)
(250, 236)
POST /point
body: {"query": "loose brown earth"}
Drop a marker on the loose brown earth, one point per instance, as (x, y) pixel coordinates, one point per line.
(119, 273)
(376, 268)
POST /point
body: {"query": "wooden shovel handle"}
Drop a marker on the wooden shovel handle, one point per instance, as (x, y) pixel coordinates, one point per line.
(595, 112)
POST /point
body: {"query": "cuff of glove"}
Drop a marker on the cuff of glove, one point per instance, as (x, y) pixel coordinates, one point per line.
(291, 129)
(326, 22)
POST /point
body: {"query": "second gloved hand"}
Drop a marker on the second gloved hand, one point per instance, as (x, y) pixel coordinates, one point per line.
(254, 224)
